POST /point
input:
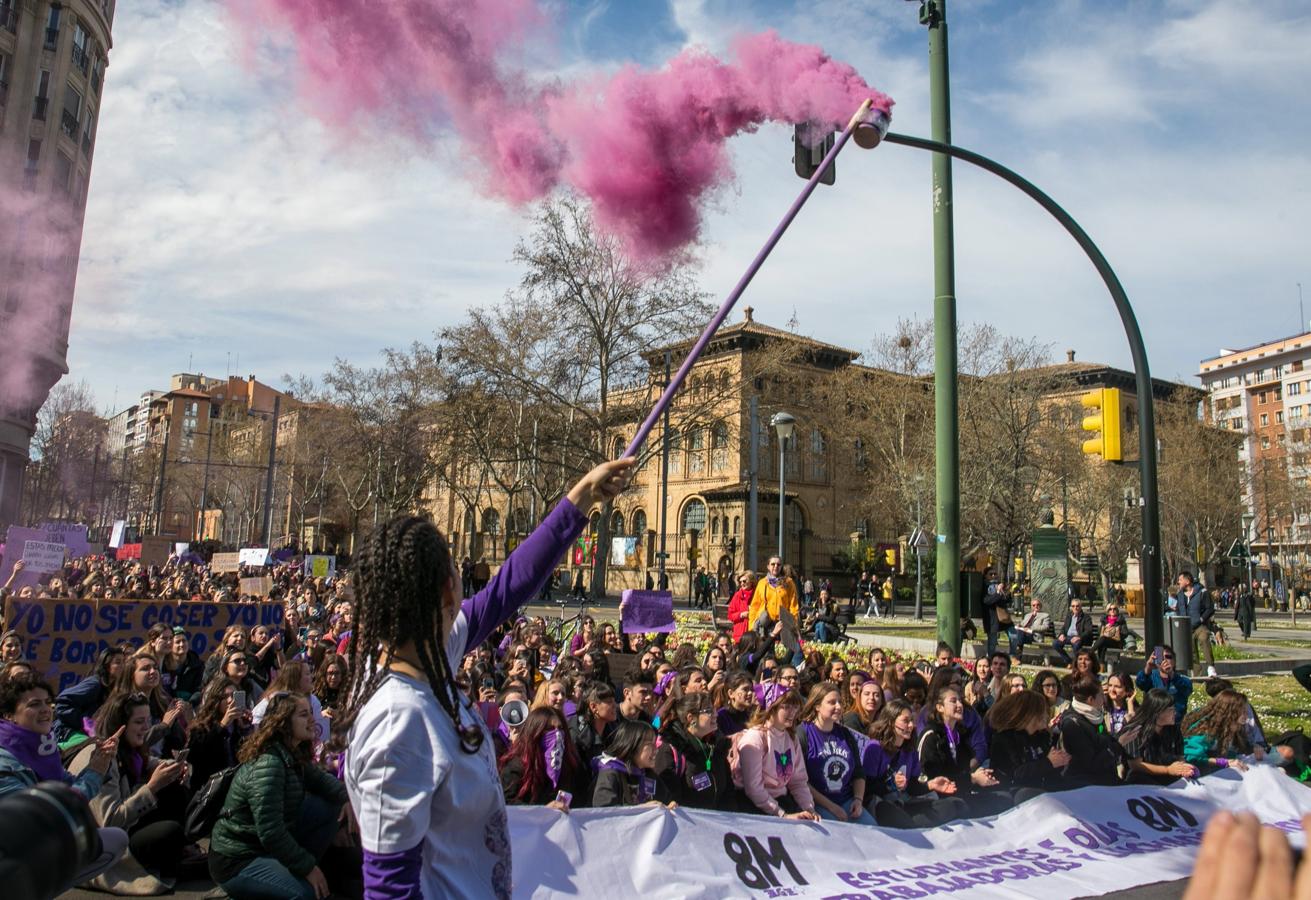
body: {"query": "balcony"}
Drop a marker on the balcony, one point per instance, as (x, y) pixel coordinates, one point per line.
(8, 18)
(81, 59)
(52, 38)
(39, 108)
(68, 124)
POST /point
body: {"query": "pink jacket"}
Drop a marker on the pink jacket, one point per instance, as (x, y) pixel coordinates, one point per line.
(772, 765)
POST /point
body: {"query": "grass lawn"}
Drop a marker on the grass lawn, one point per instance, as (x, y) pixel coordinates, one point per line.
(1232, 652)
(1279, 700)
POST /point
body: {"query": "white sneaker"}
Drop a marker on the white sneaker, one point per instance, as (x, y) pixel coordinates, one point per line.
(1211, 672)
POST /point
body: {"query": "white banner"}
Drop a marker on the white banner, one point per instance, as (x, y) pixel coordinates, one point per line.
(1069, 844)
(116, 537)
(254, 556)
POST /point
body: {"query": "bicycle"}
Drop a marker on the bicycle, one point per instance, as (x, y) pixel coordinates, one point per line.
(562, 630)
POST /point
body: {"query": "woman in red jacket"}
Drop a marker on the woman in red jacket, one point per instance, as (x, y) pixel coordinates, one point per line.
(740, 604)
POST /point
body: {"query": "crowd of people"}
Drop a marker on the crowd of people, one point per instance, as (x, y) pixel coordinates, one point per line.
(295, 728)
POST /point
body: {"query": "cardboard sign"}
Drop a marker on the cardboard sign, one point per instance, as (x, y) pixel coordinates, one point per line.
(155, 550)
(43, 557)
(71, 536)
(257, 587)
(64, 637)
(320, 566)
(647, 611)
(225, 562)
(254, 556)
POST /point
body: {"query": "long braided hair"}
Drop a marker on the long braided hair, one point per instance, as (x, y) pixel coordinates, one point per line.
(402, 574)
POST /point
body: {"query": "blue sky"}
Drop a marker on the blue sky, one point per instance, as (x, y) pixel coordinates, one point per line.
(223, 220)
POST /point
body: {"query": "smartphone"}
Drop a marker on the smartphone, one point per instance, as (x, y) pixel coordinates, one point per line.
(565, 797)
(1157, 655)
(239, 699)
(181, 755)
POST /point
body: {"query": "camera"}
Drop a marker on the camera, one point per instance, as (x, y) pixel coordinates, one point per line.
(47, 837)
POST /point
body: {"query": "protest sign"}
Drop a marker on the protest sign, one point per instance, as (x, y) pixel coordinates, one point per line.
(64, 637)
(1069, 844)
(180, 548)
(647, 611)
(155, 550)
(254, 556)
(74, 537)
(43, 557)
(116, 537)
(225, 562)
(257, 587)
(320, 566)
(623, 551)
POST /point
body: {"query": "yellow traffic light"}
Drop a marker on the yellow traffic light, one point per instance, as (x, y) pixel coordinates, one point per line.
(890, 556)
(1105, 421)
(1019, 565)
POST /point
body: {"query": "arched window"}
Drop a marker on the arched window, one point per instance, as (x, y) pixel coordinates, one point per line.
(675, 451)
(616, 523)
(491, 522)
(593, 522)
(725, 382)
(719, 447)
(619, 447)
(696, 450)
(818, 468)
(469, 523)
(639, 523)
(694, 516)
(737, 524)
(714, 528)
(519, 521)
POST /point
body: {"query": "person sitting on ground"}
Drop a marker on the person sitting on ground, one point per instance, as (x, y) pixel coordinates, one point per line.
(180, 669)
(1085, 665)
(330, 681)
(1095, 757)
(624, 775)
(945, 751)
(770, 768)
(29, 754)
(1120, 704)
(639, 698)
(1048, 684)
(735, 701)
(869, 703)
(76, 706)
(217, 732)
(899, 797)
(1021, 744)
(168, 717)
(1152, 740)
(542, 762)
(235, 638)
(595, 720)
(832, 757)
(691, 762)
(142, 794)
(1159, 672)
(295, 677)
(1215, 736)
(281, 811)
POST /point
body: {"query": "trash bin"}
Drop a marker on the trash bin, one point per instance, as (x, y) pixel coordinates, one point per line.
(1180, 638)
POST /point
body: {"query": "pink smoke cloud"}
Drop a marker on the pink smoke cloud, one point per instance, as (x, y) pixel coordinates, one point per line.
(645, 146)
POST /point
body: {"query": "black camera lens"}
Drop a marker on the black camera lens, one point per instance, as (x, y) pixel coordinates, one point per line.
(47, 836)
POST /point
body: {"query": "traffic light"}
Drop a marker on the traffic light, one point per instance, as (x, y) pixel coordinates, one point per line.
(806, 158)
(890, 557)
(1105, 422)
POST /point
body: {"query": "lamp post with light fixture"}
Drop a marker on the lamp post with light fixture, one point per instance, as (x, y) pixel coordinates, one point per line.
(783, 425)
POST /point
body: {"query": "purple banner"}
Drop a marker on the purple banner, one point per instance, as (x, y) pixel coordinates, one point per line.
(646, 611)
(72, 536)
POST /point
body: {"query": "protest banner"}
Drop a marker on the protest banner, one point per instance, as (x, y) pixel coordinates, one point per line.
(647, 611)
(116, 538)
(258, 586)
(74, 537)
(64, 637)
(254, 556)
(225, 562)
(1069, 844)
(155, 550)
(43, 557)
(320, 566)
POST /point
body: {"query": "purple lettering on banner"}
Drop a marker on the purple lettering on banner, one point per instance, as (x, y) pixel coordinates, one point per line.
(647, 611)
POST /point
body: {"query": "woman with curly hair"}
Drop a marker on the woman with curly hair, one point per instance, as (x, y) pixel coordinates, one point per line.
(330, 683)
(280, 813)
(1216, 735)
(217, 731)
(419, 762)
(542, 761)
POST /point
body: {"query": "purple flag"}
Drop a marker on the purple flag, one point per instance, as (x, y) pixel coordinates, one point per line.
(647, 611)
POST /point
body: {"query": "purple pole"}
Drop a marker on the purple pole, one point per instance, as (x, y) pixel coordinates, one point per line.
(697, 349)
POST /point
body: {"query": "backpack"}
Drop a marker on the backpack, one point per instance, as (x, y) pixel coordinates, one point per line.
(206, 807)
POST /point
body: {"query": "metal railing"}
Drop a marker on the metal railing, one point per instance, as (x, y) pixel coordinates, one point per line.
(52, 38)
(8, 18)
(81, 59)
(68, 123)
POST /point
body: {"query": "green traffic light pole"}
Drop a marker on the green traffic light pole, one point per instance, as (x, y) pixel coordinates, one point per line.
(946, 430)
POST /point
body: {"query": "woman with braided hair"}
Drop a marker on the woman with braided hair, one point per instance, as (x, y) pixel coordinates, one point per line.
(420, 766)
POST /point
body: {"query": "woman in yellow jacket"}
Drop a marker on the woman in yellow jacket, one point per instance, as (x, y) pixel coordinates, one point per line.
(774, 593)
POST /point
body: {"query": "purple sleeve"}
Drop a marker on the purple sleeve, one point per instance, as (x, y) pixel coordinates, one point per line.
(524, 572)
(978, 738)
(393, 876)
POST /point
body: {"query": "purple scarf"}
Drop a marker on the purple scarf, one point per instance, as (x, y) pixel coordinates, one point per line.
(39, 752)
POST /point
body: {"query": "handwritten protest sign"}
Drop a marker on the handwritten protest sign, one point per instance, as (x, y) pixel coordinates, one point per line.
(74, 537)
(320, 566)
(257, 587)
(155, 550)
(43, 557)
(64, 637)
(255, 556)
(647, 611)
(225, 562)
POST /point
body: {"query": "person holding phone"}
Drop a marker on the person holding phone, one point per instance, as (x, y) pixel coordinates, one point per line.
(1159, 672)
(419, 763)
(217, 732)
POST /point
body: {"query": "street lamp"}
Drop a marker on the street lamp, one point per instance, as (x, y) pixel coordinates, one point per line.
(783, 425)
(1248, 519)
